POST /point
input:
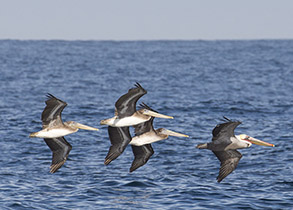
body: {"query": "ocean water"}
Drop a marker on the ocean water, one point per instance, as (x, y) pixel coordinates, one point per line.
(197, 82)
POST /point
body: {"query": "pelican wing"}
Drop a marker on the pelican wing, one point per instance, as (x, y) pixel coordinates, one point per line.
(141, 155)
(52, 111)
(126, 104)
(60, 148)
(119, 138)
(229, 160)
(225, 130)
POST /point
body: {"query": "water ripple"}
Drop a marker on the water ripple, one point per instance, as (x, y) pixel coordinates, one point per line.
(197, 82)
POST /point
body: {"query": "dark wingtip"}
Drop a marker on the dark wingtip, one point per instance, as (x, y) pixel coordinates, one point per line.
(226, 118)
(107, 161)
(137, 85)
(145, 106)
(219, 179)
(49, 95)
(133, 168)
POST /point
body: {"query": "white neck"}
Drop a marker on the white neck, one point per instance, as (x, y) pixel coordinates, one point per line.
(146, 138)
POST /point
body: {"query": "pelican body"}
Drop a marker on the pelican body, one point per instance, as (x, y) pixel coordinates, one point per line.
(225, 144)
(126, 113)
(145, 134)
(153, 135)
(53, 126)
(54, 131)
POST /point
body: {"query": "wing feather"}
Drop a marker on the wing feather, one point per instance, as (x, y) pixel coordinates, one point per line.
(60, 148)
(141, 155)
(229, 160)
(119, 138)
(52, 111)
(126, 104)
(225, 130)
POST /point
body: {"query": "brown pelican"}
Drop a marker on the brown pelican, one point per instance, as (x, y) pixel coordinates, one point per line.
(60, 148)
(54, 130)
(53, 127)
(145, 134)
(125, 110)
(225, 144)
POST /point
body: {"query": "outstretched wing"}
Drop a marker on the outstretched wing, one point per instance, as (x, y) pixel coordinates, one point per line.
(119, 138)
(141, 155)
(229, 160)
(52, 112)
(126, 104)
(60, 148)
(225, 130)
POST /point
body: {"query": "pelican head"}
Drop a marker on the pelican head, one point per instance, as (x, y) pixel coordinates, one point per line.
(250, 140)
(154, 114)
(164, 131)
(108, 121)
(76, 125)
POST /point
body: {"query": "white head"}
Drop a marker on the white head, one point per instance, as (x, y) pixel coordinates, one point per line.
(248, 140)
(166, 132)
(243, 138)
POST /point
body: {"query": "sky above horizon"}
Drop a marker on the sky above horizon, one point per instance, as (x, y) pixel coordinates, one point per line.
(146, 19)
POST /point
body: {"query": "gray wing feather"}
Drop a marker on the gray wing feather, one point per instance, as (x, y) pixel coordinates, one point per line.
(119, 138)
(126, 104)
(60, 148)
(52, 111)
(141, 155)
(225, 130)
(229, 160)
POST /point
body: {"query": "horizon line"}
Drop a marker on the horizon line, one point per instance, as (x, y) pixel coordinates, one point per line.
(147, 40)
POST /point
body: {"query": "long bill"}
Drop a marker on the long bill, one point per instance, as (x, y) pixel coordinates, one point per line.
(173, 133)
(259, 142)
(155, 114)
(85, 127)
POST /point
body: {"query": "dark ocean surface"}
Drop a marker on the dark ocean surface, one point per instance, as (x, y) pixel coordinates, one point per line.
(197, 82)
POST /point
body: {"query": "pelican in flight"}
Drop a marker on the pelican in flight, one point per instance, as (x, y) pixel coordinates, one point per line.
(225, 144)
(142, 150)
(53, 126)
(54, 131)
(125, 110)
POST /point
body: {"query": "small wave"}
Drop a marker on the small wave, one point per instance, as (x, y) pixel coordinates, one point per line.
(139, 184)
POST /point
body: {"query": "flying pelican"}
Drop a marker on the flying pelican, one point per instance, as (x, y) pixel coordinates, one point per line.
(145, 134)
(225, 144)
(125, 110)
(53, 127)
(54, 131)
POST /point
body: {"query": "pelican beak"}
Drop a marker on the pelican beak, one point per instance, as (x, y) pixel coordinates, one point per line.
(173, 133)
(155, 114)
(259, 142)
(85, 127)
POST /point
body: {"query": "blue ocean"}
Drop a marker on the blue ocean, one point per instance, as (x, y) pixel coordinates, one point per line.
(196, 82)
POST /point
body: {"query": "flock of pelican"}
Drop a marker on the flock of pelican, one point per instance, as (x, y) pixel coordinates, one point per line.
(224, 142)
